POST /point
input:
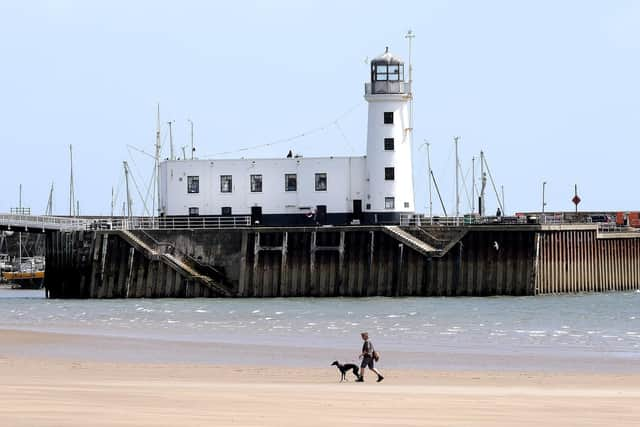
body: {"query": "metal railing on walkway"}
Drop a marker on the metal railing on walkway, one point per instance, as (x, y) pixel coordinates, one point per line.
(57, 223)
(43, 222)
(178, 223)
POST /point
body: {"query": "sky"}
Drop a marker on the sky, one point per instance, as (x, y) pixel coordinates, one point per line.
(548, 89)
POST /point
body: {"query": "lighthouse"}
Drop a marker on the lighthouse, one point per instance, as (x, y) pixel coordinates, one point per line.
(389, 170)
(376, 188)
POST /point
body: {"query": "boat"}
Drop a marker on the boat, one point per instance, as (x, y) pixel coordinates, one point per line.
(27, 273)
(5, 263)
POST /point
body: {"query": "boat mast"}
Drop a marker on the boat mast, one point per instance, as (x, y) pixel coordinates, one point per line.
(49, 209)
(71, 189)
(430, 191)
(20, 233)
(473, 184)
(126, 180)
(157, 183)
(455, 141)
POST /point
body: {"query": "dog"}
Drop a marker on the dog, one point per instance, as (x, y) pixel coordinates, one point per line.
(346, 368)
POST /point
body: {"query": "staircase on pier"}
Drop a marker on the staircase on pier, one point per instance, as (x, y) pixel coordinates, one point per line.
(174, 263)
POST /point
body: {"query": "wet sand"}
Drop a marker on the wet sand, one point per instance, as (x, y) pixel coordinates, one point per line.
(46, 386)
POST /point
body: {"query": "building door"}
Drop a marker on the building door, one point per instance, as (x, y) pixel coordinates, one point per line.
(357, 210)
(321, 214)
(256, 215)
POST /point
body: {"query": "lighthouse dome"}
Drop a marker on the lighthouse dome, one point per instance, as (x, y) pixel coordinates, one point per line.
(387, 58)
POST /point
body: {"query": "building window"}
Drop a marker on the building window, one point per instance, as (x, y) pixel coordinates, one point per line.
(389, 144)
(256, 183)
(406, 204)
(389, 174)
(226, 211)
(290, 182)
(193, 184)
(194, 211)
(389, 203)
(388, 117)
(368, 206)
(321, 182)
(226, 184)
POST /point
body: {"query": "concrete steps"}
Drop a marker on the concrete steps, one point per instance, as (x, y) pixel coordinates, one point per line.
(185, 269)
(410, 240)
(174, 263)
(139, 245)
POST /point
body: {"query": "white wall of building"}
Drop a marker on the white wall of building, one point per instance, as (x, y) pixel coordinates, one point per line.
(345, 182)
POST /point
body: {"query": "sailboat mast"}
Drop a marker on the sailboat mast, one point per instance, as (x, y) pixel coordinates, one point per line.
(429, 178)
(71, 189)
(126, 180)
(455, 141)
(473, 184)
(157, 184)
(20, 233)
(49, 209)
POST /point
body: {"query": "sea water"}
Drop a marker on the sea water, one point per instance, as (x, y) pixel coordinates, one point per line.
(603, 325)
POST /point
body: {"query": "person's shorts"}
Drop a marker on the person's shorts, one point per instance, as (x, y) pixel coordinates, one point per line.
(367, 362)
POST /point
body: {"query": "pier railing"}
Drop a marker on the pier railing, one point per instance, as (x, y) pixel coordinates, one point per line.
(418, 220)
(147, 223)
(43, 222)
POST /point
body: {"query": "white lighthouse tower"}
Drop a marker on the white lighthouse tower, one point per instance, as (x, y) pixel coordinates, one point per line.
(389, 162)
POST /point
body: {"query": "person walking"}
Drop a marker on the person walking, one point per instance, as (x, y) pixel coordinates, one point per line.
(368, 360)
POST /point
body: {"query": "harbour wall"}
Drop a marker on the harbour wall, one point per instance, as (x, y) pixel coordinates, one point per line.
(340, 261)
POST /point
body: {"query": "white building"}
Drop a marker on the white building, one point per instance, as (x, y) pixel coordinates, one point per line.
(375, 188)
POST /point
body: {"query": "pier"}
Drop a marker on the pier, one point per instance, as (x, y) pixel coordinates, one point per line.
(137, 259)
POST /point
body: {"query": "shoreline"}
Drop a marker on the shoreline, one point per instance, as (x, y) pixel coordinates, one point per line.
(119, 349)
(47, 381)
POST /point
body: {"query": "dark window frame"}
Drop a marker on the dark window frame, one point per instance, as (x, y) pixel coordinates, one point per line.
(287, 176)
(388, 117)
(389, 202)
(194, 211)
(193, 184)
(229, 188)
(389, 144)
(388, 72)
(320, 175)
(255, 183)
(390, 173)
(226, 211)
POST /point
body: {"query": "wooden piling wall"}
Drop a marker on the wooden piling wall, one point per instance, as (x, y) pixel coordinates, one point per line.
(343, 261)
(90, 264)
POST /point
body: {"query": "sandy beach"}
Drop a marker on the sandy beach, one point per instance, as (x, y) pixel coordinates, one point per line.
(60, 390)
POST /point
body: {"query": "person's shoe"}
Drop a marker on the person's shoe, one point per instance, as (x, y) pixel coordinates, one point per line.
(360, 380)
(380, 378)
